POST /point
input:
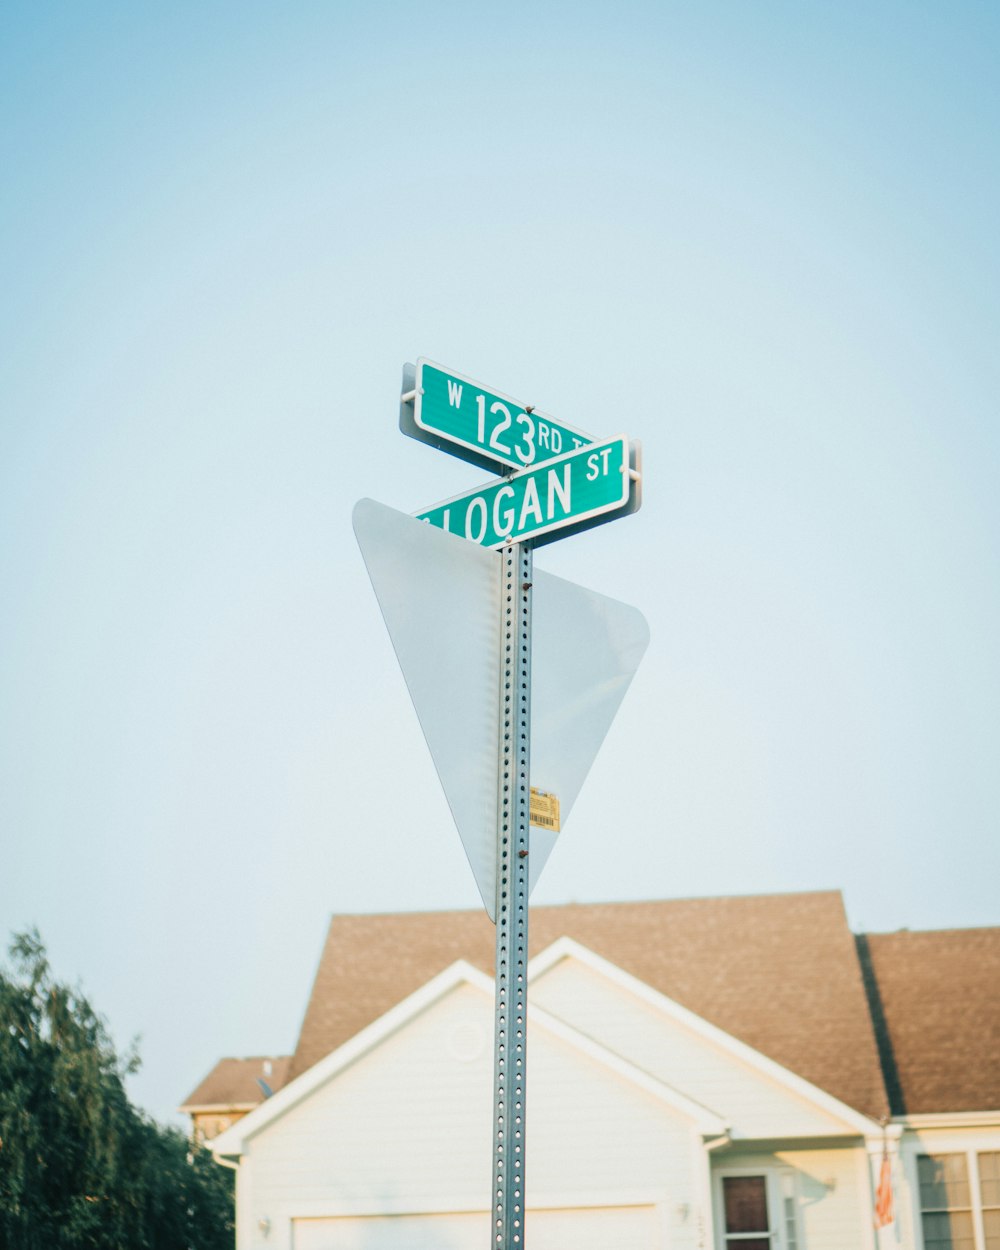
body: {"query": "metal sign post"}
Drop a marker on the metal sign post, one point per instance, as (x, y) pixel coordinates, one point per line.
(513, 810)
(556, 481)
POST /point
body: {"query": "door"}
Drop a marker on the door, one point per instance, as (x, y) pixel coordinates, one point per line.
(746, 1215)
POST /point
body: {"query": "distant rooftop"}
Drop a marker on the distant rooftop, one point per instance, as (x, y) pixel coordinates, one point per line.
(233, 1084)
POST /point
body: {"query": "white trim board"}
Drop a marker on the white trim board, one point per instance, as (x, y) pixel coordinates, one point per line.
(443, 1203)
(947, 1119)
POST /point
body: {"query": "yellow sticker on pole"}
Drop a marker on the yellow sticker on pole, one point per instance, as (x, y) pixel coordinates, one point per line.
(544, 809)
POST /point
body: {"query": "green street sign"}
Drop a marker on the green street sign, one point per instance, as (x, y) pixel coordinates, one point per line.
(580, 488)
(457, 415)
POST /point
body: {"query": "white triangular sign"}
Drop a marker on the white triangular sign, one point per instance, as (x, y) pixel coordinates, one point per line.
(440, 598)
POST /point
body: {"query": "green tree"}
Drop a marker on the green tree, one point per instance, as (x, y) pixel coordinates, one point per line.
(80, 1167)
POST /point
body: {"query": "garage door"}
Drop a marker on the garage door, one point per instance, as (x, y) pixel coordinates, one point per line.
(593, 1228)
(393, 1232)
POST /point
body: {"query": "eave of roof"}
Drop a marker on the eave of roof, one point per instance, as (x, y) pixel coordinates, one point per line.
(217, 1108)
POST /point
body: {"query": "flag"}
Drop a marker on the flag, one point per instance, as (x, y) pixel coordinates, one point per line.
(883, 1193)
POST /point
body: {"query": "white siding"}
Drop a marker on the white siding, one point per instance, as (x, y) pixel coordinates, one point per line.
(395, 1148)
(755, 1105)
(397, 1124)
(407, 1131)
(591, 1131)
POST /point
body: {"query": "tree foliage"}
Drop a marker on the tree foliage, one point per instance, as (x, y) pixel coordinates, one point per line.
(80, 1167)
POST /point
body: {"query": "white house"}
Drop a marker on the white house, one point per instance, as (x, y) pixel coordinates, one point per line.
(711, 1073)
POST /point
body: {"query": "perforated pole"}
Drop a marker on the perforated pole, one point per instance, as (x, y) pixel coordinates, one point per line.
(514, 813)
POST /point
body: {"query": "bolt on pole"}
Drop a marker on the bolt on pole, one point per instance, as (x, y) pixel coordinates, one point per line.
(514, 815)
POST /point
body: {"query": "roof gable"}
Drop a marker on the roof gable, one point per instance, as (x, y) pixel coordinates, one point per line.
(778, 972)
(758, 1097)
(461, 975)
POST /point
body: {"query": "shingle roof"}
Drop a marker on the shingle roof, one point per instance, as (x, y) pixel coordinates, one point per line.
(233, 1083)
(938, 993)
(779, 972)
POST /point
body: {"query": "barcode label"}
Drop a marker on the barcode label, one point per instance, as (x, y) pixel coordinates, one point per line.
(544, 809)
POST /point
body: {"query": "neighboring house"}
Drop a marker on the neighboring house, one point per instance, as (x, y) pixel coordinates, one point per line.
(719, 1074)
(231, 1090)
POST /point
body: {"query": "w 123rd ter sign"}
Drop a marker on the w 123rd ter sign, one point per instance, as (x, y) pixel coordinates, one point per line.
(471, 421)
(571, 489)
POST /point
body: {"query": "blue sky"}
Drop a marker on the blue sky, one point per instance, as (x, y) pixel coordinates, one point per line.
(761, 238)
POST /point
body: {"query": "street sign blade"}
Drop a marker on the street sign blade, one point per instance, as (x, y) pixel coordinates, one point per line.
(632, 504)
(440, 599)
(574, 489)
(409, 427)
(458, 415)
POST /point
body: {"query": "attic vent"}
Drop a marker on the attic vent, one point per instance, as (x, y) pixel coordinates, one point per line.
(467, 1042)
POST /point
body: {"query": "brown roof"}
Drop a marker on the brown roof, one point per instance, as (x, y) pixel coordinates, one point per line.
(233, 1082)
(936, 1002)
(779, 972)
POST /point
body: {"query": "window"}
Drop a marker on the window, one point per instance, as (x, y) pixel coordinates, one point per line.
(744, 1201)
(988, 1164)
(758, 1210)
(957, 1191)
(788, 1210)
(945, 1202)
